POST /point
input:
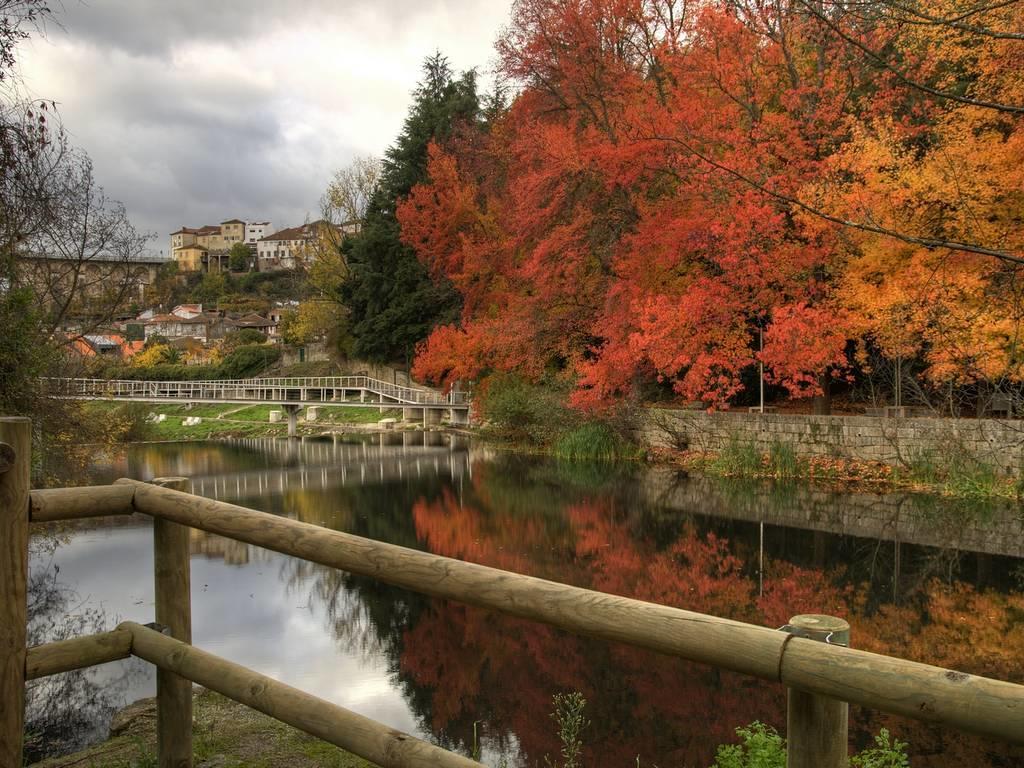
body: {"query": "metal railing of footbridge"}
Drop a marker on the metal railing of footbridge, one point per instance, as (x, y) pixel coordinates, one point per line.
(321, 389)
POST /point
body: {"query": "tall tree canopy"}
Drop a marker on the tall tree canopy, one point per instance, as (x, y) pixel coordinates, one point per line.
(393, 300)
(675, 182)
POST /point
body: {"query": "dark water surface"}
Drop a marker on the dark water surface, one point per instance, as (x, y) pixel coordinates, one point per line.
(930, 580)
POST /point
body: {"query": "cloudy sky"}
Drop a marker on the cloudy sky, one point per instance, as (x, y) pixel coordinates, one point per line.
(196, 111)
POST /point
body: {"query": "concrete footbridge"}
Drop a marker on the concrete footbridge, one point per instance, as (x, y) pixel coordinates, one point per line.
(291, 393)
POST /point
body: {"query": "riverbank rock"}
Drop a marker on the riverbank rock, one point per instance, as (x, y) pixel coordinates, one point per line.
(225, 734)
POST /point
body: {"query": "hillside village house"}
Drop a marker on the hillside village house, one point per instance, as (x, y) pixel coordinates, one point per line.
(232, 231)
(205, 249)
(190, 258)
(174, 327)
(191, 321)
(256, 231)
(290, 248)
(108, 345)
(196, 249)
(267, 326)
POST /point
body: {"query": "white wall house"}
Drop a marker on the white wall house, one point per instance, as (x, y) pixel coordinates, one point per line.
(293, 247)
(256, 231)
(279, 250)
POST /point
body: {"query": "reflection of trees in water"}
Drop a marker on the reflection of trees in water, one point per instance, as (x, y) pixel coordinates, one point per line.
(66, 711)
(457, 664)
(805, 525)
(366, 616)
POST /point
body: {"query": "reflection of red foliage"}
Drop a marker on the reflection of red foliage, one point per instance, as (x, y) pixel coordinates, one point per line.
(789, 590)
(625, 687)
(666, 710)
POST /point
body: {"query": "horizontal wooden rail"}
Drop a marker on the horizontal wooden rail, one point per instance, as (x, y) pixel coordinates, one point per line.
(918, 691)
(367, 738)
(52, 504)
(708, 639)
(77, 653)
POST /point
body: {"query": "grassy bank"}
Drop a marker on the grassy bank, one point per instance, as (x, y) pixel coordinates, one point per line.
(535, 418)
(227, 734)
(947, 473)
(226, 420)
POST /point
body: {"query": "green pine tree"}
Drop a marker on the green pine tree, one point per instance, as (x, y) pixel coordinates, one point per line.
(393, 302)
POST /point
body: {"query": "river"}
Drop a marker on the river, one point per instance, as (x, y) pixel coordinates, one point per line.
(932, 580)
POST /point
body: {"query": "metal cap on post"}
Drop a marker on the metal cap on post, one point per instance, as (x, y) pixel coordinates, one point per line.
(817, 726)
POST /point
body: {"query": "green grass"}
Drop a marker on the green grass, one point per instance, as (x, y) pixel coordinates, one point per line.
(356, 414)
(737, 458)
(228, 419)
(956, 473)
(232, 733)
(593, 441)
(783, 462)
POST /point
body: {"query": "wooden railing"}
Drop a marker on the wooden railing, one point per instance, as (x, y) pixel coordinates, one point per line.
(312, 389)
(822, 677)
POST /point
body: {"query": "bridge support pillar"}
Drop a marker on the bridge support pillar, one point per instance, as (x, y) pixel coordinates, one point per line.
(458, 416)
(292, 409)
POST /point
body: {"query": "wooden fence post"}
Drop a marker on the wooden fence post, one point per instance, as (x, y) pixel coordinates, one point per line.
(15, 469)
(173, 610)
(817, 726)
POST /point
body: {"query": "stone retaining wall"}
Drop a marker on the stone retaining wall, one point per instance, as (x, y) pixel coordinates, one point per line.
(999, 442)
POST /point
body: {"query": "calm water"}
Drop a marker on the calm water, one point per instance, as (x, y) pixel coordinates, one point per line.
(933, 581)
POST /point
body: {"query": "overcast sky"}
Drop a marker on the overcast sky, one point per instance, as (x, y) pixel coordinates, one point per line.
(196, 111)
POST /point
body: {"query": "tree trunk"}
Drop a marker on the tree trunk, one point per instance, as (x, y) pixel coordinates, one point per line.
(823, 402)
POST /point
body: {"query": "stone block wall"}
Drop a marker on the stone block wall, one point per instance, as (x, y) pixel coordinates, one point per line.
(999, 442)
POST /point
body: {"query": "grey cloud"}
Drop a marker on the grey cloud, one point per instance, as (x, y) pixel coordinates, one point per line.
(153, 28)
(187, 134)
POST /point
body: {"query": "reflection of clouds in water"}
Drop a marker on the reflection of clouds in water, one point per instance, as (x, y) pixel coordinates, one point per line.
(66, 711)
(242, 612)
(251, 616)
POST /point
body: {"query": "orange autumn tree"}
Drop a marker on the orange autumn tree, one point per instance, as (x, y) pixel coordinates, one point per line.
(674, 183)
(612, 259)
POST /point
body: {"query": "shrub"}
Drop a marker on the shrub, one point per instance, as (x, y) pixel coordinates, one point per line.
(247, 361)
(885, 754)
(243, 337)
(760, 747)
(155, 354)
(519, 410)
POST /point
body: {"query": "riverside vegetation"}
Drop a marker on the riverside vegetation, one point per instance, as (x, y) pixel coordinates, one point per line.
(234, 736)
(760, 745)
(947, 470)
(537, 418)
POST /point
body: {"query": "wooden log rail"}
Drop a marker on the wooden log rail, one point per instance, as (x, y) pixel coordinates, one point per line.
(918, 691)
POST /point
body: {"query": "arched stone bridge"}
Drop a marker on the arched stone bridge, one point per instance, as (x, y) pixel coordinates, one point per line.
(292, 393)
